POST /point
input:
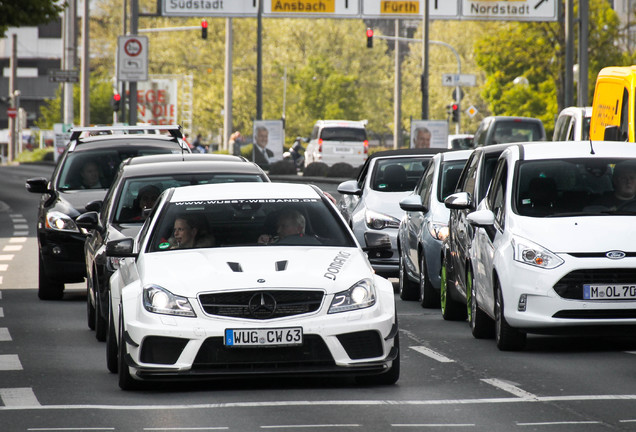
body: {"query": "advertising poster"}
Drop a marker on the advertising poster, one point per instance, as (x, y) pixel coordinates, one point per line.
(268, 139)
(429, 134)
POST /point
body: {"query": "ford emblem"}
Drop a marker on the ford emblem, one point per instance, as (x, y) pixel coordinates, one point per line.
(263, 280)
(615, 254)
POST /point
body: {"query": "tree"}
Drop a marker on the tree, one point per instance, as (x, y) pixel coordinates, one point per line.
(536, 51)
(17, 13)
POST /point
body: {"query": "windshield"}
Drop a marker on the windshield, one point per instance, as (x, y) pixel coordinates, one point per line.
(253, 222)
(571, 187)
(343, 134)
(516, 131)
(138, 194)
(96, 169)
(398, 174)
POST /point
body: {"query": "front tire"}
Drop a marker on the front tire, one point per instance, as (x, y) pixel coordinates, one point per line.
(481, 326)
(48, 289)
(101, 325)
(111, 343)
(126, 381)
(451, 310)
(508, 338)
(408, 288)
(429, 297)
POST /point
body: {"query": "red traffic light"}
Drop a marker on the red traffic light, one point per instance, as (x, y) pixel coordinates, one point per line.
(204, 29)
(369, 32)
(115, 102)
(454, 107)
(369, 38)
(117, 97)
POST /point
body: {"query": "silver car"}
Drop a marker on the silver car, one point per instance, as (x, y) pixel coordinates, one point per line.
(370, 204)
(425, 226)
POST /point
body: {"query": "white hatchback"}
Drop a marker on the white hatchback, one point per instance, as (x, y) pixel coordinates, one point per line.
(555, 244)
(336, 141)
(235, 280)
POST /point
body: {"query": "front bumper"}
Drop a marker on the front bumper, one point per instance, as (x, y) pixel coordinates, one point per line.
(351, 343)
(545, 308)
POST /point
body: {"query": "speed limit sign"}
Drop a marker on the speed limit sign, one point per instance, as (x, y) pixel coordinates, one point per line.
(132, 58)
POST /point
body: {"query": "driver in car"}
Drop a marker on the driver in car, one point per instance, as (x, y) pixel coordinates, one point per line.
(624, 181)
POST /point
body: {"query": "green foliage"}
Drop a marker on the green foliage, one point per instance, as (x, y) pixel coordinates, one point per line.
(18, 13)
(34, 156)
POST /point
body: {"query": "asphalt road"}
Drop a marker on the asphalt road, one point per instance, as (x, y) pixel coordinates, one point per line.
(53, 375)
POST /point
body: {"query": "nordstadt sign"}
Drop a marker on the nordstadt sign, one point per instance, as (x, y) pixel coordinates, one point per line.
(507, 10)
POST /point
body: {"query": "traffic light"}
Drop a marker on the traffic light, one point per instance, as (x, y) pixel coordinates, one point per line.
(455, 112)
(369, 38)
(204, 29)
(115, 102)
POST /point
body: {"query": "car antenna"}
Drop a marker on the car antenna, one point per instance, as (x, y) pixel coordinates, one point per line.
(591, 148)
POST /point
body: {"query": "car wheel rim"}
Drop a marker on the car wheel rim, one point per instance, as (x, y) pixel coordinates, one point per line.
(422, 279)
(471, 301)
(442, 290)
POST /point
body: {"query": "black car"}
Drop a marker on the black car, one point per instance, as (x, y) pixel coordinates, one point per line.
(471, 189)
(83, 174)
(133, 193)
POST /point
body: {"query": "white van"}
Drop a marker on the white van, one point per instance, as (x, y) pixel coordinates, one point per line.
(573, 124)
(334, 141)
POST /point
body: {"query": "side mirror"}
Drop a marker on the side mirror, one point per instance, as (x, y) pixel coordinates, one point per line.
(123, 248)
(459, 201)
(349, 187)
(481, 218)
(94, 206)
(413, 203)
(37, 185)
(88, 220)
(612, 133)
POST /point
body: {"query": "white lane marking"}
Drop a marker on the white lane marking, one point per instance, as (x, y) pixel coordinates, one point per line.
(309, 426)
(507, 387)
(20, 233)
(10, 362)
(20, 227)
(435, 425)
(18, 398)
(188, 429)
(73, 429)
(17, 240)
(0, 280)
(1, 312)
(12, 248)
(6, 257)
(432, 354)
(558, 423)
(574, 398)
(4, 267)
(627, 421)
(4, 334)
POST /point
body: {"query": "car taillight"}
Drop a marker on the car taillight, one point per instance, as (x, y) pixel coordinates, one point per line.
(319, 145)
(366, 146)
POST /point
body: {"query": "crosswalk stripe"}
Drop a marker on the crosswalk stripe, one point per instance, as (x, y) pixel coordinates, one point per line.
(10, 362)
(18, 397)
(4, 334)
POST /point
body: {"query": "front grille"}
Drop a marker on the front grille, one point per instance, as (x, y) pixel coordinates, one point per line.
(571, 285)
(596, 314)
(360, 345)
(312, 353)
(162, 350)
(261, 305)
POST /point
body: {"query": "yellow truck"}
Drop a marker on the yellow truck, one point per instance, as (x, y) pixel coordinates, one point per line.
(613, 109)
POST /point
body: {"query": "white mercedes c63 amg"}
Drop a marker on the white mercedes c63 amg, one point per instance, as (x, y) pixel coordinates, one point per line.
(260, 279)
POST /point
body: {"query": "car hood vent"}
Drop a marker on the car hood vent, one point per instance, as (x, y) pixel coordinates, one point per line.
(236, 267)
(281, 265)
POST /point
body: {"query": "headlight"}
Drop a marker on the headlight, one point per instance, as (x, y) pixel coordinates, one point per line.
(60, 222)
(380, 221)
(438, 231)
(161, 301)
(530, 253)
(359, 296)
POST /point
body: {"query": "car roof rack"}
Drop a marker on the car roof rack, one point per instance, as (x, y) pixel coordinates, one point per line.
(176, 131)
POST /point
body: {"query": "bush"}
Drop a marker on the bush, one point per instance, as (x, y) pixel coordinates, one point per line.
(282, 167)
(36, 155)
(341, 169)
(316, 169)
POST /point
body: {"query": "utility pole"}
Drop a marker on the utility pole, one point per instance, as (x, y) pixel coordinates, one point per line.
(569, 54)
(227, 100)
(424, 80)
(70, 15)
(85, 114)
(259, 62)
(13, 66)
(583, 56)
(134, 27)
(397, 93)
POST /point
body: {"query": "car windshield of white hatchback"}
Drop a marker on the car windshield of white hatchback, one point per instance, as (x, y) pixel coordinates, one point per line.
(398, 174)
(250, 222)
(139, 194)
(572, 187)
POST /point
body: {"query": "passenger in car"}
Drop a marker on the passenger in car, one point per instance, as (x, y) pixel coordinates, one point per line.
(190, 232)
(90, 176)
(290, 229)
(624, 182)
(145, 200)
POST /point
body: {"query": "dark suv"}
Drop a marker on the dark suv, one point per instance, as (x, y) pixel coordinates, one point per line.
(82, 175)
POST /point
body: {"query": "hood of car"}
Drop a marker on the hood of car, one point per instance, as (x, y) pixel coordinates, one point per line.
(74, 202)
(190, 272)
(386, 202)
(579, 234)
